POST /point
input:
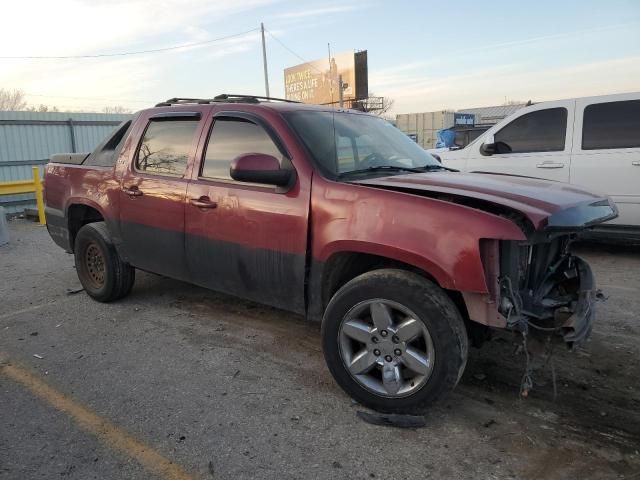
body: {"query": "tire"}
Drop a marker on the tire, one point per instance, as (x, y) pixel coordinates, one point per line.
(439, 341)
(104, 276)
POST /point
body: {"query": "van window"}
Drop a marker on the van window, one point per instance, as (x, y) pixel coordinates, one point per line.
(540, 131)
(165, 146)
(230, 138)
(611, 125)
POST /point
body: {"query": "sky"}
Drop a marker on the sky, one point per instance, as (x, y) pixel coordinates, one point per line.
(424, 55)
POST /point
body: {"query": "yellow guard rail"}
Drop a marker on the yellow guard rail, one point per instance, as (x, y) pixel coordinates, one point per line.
(27, 186)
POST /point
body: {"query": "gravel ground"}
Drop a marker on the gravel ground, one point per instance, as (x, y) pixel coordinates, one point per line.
(228, 389)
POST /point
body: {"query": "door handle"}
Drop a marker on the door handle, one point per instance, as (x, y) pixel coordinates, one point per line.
(133, 191)
(636, 163)
(203, 202)
(550, 165)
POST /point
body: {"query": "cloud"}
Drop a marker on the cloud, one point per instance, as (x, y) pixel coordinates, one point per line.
(514, 81)
(76, 27)
(329, 10)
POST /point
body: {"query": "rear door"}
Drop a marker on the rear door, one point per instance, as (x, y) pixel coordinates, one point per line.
(246, 239)
(535, 143)
(606, 153)
(153, 189)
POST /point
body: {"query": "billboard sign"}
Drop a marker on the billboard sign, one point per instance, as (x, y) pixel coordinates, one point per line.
(464, 119)
(317, 81)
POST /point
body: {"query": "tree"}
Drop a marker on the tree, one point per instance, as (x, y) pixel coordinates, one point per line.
(379, 106)
(116, 109)
(12, 100)
(387, 104)
(42, 108)
(508, 103)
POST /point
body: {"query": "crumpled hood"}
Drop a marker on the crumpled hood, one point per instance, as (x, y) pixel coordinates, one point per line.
(545, 203)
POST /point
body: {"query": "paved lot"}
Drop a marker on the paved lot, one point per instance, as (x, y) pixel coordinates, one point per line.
(179, 382)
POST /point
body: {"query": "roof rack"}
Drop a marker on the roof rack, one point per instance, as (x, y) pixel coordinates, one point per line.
(223, 98)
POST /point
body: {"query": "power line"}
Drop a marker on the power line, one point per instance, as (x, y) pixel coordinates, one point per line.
(292, 52)
(110, 99)
(139, 52)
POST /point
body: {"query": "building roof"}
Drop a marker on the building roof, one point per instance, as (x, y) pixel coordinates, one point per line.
(490, 115)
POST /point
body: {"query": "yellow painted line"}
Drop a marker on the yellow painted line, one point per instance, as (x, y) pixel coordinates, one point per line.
(25, 310)
(114, 436)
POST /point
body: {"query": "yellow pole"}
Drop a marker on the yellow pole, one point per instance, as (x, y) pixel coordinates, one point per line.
(39, 198)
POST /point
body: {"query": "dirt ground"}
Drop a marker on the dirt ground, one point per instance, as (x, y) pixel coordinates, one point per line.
(221, 388)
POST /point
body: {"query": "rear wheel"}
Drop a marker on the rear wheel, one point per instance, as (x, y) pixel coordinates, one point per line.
(104, 276)
(394, 341)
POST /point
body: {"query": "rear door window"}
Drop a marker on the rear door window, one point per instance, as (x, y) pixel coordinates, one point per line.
(539, 131)
(165, 147)
(611, 125)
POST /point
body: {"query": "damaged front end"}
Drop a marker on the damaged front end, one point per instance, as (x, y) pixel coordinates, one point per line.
(546, 291)
(538, 287)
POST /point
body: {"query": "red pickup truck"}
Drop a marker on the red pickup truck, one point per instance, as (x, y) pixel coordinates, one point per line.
(336, 215)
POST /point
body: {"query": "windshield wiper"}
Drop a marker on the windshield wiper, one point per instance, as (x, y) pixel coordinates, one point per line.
(432, 167)
(396, 168)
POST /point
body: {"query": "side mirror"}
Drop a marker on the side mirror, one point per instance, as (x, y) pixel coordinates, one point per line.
(259, 168)
(488, 147)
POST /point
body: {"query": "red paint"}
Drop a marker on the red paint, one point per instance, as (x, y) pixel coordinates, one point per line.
(438, 237)
(537, 199)
(255, 161)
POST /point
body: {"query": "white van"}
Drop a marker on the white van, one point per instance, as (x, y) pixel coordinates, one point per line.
(592, 142)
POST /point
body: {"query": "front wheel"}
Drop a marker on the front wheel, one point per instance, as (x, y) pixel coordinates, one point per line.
(394, 341)
(102, 273)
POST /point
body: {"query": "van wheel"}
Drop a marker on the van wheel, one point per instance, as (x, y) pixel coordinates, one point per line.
(394, 341)
(104, 276)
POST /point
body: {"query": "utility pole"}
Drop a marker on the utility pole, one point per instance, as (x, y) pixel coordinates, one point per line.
(340, 91)
(330, 79)
(264, 60)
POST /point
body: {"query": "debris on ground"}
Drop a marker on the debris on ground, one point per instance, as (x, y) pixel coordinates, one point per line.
(38, 356)
(393, 419)
(600, 296)
(71, 291)
(479, 376)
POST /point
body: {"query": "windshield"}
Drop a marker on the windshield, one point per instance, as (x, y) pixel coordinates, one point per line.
(360, 143)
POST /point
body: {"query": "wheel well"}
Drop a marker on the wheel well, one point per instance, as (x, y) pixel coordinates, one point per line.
(78, 216)
(345, 266)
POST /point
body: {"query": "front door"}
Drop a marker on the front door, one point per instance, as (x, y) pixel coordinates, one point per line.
(534, 144)
(246, 239)
(152, 198)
